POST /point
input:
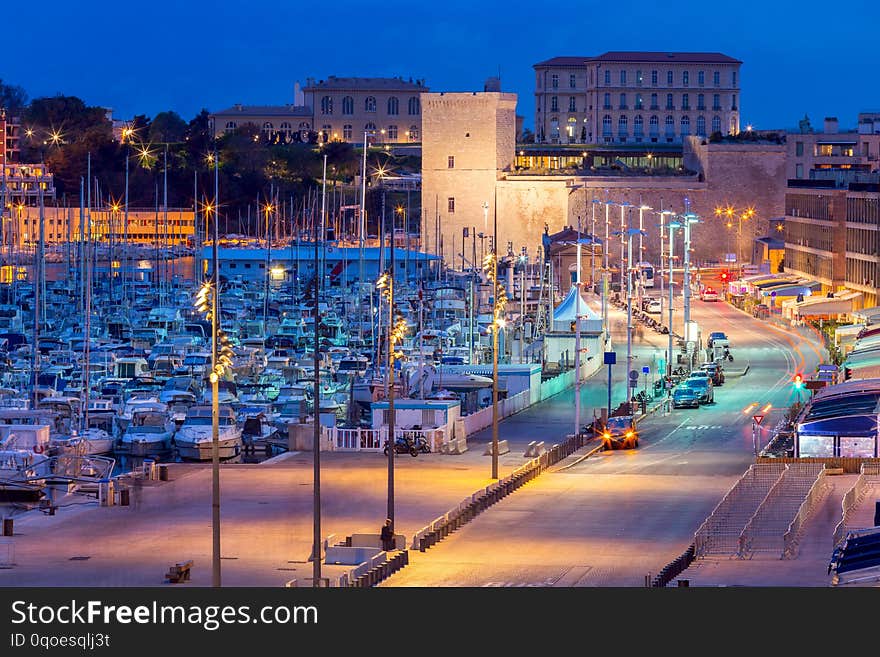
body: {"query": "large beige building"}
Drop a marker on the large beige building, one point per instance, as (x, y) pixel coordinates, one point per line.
(468, 161)
(344, 109)
(385, 110)
(636, 97)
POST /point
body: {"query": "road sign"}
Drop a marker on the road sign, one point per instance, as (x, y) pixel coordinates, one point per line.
(646, 369)
(610, 357)
(633, 375)
(633, 383)
(757, 418)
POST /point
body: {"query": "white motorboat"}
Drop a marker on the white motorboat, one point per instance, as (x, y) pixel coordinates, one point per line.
(149, 433)
(194, 438)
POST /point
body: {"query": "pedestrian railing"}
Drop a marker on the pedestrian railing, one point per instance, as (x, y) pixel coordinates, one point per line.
(767, 527)
(720, 532)
(816, 494)
(868, 479)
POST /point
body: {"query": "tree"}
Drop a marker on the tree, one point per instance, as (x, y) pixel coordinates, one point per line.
(167, 128)
(527, 136)
(13, 98)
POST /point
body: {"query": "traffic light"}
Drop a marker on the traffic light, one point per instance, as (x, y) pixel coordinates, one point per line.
(724, 276)
(798, 381)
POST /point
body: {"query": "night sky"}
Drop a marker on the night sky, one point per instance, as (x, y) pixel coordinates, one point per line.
(798, 58)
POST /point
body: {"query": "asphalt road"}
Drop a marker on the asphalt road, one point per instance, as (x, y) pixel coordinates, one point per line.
(618, 517)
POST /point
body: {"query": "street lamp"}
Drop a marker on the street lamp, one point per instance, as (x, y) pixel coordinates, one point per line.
(629, 273)
(396, 331)
(641, 257)
(490, 266)
(663, 214)
(622, 233)
(673, 225)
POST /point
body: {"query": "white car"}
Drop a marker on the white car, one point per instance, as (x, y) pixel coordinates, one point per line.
(708, 295)
(653, 306)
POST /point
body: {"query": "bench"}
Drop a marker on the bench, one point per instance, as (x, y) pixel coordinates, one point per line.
(179, 572)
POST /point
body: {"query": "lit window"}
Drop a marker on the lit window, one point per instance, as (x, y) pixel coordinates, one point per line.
(369, 104)
(450, 162)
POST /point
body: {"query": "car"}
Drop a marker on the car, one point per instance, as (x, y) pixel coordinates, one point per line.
(653, 306)
(685, 396)
(619, 432)
(704, 388)
(716, 373)
(716, 335)
(708, 294)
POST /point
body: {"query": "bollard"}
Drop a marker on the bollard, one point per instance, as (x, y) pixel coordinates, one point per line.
(163, 472)
(123, 497)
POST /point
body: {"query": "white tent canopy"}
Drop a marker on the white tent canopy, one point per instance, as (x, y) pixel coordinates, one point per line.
(564, 314)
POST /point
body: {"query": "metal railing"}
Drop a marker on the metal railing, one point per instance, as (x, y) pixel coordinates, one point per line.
(816, 494)
(765, 529)
(720, 532)
(868, 478)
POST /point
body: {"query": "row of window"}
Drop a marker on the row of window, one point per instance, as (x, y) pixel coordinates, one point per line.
(654, 125)
(393, 105)
(391, 132)
(809, 235)
(863, 210)
(861, 272)
(862, 241)
(670, 78)
(814, 266)
(808, 205)
(638, 102)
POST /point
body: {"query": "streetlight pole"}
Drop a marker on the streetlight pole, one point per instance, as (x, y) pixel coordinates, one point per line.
(605, 270)
(362, 230)
(215, 387)
(623, 229)
(390, 347)
(672, 226)
(317, 552)
(641, 257)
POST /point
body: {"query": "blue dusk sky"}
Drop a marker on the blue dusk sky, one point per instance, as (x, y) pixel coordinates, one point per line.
(799, 58)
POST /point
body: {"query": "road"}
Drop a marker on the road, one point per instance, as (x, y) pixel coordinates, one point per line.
(617, 517)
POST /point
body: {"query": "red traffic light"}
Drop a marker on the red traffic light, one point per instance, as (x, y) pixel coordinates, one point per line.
(724, 276)
(798, 380)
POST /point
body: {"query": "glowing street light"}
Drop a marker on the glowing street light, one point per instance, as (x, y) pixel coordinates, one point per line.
(490, 266)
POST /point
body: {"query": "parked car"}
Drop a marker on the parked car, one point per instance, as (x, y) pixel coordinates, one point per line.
(716, 373)
(653, 306)
(685, 396)
(620, 432)
(704, 388)
(716, 335)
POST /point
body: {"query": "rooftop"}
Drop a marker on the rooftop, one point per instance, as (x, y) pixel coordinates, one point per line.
(266, 110)
(366, 84)
(636, 56)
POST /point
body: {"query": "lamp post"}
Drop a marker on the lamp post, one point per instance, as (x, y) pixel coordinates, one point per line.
(672, 226)
(622, 233)
(663, 214)
(629, 269)
(688, 218)
(605, 271)
(641, 257)
(317, 552)
(593, 205)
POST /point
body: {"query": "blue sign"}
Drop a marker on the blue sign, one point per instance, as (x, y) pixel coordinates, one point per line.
(646, 369)
(610, 357)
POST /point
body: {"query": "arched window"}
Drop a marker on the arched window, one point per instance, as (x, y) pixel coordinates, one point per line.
(685, 126)
(348, 105)
(670, 126)
(606, 125)
(622, 126)
(638, 126)
(654, 125)
(268, 127)
(305, 125)
(346, 132)
(326, 105)
(716, 124)
(370, 104)
(286, 127)
(414, 108)
(230, 126)
(370, 127)
(701, 126)
(393, 106)
(414, 133)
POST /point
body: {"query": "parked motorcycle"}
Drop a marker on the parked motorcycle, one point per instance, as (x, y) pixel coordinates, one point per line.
(407, 445)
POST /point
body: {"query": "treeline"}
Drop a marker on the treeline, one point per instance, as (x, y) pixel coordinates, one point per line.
(65, 133)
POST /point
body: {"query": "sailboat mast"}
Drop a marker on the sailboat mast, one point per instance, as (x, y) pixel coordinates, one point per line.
(87, 332)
